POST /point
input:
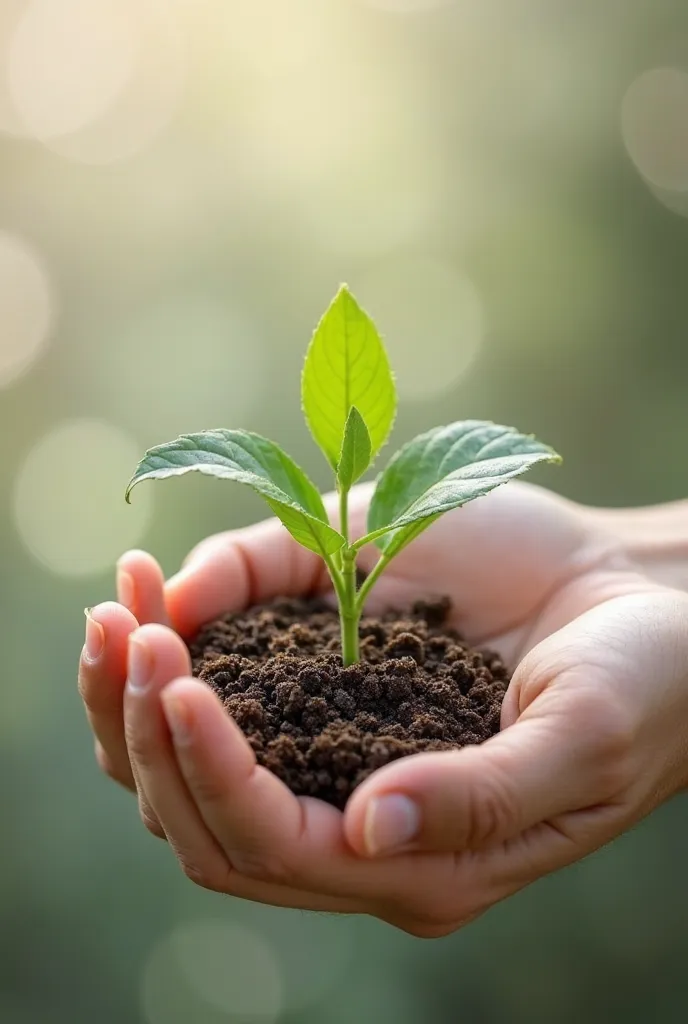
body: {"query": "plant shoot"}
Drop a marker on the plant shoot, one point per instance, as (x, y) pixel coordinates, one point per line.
(349, 403)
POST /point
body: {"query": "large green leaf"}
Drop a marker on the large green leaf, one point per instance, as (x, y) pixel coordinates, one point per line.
(443, 469)
(346, 365)
(355, 457)
(253, 460)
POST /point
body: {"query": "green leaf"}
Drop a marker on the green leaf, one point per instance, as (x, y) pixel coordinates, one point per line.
(356, 450)
(346, 365)
(443, 469)
(253, 460)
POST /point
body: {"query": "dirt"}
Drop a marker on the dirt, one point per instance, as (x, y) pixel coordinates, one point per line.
(323, 728)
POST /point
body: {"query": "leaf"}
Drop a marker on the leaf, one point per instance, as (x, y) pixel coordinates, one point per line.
(253, 460)
(346, 365)
(444, 469)
(356, 450)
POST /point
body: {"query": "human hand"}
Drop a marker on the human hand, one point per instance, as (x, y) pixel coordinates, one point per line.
(594, 732)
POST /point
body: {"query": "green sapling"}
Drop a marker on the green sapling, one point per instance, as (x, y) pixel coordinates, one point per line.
(349, 402)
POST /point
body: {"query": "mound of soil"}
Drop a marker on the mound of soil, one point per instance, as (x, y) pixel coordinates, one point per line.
(323, 728)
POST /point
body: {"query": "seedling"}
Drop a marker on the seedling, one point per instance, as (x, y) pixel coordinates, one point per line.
(349, 402)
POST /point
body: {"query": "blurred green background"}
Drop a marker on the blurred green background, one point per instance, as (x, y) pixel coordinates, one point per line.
(183, 184)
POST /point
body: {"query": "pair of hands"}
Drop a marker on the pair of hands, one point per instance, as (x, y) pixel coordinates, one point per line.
(594, 724)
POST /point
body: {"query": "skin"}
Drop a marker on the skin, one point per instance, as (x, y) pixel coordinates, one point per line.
(594, 725)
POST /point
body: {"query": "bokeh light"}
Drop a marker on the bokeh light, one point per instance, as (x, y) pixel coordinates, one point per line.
(96, 82)
(432, 321)
(10, 15)
(654, 122)
(316, 952)
(68, 62)
(69, 504)
(212, 965)
(26, 307)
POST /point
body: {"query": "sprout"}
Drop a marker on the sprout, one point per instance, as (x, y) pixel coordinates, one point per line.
(349, 402)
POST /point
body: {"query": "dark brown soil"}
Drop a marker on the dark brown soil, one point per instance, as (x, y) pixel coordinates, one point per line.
(323, 728)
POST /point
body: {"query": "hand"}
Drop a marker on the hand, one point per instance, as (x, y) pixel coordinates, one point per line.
(594, 725)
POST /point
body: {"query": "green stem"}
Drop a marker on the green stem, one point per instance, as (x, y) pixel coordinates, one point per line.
(336, 577)
(344, 514)
(348, 611)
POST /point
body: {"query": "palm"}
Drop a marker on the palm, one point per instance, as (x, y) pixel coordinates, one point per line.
(522, 568)
(504, 562)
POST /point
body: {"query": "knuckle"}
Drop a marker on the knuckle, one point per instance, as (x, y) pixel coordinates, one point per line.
(151, 822)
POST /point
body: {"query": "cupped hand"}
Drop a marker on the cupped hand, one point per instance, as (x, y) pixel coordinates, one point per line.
(594, 724)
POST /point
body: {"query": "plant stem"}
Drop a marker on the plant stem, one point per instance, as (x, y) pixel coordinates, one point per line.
(348, 610)
(344, 515)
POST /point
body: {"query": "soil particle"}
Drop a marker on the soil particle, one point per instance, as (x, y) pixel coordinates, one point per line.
(323, 728)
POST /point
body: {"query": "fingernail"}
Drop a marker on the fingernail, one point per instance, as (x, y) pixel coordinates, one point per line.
(391, 822)
(178, 718)
(95, 637)
(140, 665)
(125, 589)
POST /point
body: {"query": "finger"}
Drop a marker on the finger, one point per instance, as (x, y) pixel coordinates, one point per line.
(166, 801)
(559, 757)
(102, 675)
(155, 655)
(256, 819)
(266, 832)
(235, 570)
(141, 587)
(243, 567)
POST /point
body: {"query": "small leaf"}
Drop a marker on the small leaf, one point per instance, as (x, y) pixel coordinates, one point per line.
(356, 450)
(253, 460)
(346, 365)
(444, 469)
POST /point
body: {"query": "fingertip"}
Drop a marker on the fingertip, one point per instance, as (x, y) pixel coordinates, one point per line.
(214, 582)
(141, 586)
(354, 825)
(196, 716)
(356, 816)
(167, 654)
(111, 614)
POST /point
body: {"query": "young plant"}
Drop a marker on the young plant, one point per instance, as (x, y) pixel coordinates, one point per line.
(349, 402)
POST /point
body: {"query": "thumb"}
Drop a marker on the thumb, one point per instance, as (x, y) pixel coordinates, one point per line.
(582, 694)
(549, 762)
(603, 712)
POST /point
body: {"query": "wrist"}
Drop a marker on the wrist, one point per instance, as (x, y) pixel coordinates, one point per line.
(654, 538)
